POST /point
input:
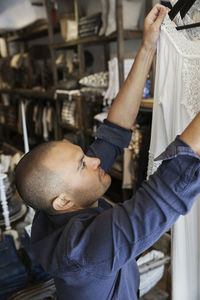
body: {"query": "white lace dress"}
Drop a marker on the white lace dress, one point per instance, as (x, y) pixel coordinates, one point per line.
(176, 102)
(193, 16)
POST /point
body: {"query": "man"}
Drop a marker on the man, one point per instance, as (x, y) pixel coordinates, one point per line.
(87, 246)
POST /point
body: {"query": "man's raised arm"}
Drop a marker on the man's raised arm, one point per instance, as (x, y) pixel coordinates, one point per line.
(126, 105)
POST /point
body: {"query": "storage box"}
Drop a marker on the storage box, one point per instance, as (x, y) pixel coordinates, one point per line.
(68, 27)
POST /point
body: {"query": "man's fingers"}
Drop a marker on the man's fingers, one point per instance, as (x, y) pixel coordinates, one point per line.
(153, 14)
(161, 16)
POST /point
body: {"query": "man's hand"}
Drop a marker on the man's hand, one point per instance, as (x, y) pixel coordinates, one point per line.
(126, 105)
(152, 25)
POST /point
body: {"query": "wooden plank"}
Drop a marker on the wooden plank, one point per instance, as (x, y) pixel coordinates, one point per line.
(115, 173)
(51, 40)
(80, 49)
(76, 11)
(147, 103)
(132, 34)
(164, 244)
(48, 4)
(106, 55)
(149, 5)
(128, 34)
(80, 113)
(30, 33)
(81, 59)
(28, 93)
(120, 40)
(7, 47)
(84, 40)
(69, 127)
(155, 294)
(146, 267)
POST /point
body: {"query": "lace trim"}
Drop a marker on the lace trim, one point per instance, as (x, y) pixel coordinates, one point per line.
(152, 165)
(193, 16)
(192, 34)
(191, 86)
(187, 48)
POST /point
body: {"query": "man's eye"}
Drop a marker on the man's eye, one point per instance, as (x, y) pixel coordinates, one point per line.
(83, 165)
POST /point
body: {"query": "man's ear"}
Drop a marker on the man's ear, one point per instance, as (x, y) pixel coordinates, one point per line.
(62, 202)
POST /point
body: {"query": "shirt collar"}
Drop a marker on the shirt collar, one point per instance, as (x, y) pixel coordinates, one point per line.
(60, 220)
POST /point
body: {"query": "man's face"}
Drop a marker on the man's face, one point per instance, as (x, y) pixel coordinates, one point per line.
(86, 180)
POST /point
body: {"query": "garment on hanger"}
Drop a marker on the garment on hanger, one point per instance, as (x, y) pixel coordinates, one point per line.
(176, 102)
(193, 16)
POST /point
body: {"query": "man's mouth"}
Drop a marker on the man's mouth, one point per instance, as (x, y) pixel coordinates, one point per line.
(101, 172)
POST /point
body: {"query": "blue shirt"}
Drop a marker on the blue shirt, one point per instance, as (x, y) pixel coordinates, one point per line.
(91, 253)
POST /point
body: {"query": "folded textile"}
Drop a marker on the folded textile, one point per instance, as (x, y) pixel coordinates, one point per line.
(37, 274)
(89, 19)
(98, 80)
(89, 25)
(13, 275)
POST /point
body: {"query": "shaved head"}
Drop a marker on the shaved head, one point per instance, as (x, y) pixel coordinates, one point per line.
(36, 182)
(58, 177)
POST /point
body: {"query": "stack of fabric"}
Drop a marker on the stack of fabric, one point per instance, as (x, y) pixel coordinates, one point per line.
(89, 25)
(13, 275)
(36, 273)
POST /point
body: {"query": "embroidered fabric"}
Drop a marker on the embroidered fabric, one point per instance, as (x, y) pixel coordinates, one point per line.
(189, 50)
(191, 86)
(193, 16)
(98, 80)
(152, 165)
(176, 102)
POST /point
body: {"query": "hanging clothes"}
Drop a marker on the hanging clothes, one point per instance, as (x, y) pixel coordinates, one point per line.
(176, 102)
(192, 16)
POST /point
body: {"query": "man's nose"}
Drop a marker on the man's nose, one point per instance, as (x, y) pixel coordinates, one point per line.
(94, 162)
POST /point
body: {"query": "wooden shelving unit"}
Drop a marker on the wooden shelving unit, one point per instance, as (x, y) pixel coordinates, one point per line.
(42, 29)
(45, 28)
(147, 103)
(116, 174)
(28, 93)
(69, 127)
(136, 34)
(34, 31)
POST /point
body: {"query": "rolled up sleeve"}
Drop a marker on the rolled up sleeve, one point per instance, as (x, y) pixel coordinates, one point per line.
(110, 141)
(127, 230)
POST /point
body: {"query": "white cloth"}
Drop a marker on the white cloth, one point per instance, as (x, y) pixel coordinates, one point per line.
(113, 87)
(193, 16)
(176, 102)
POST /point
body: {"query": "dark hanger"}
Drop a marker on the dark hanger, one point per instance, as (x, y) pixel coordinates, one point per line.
(193, 25)
(183, 6)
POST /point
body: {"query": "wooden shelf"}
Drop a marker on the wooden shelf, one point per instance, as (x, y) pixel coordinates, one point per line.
(69, 127)
(31, 32)
(136, 34)
(29, 93)
(10, 128)
(89, 132)
(147, 103)
(115, 173)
